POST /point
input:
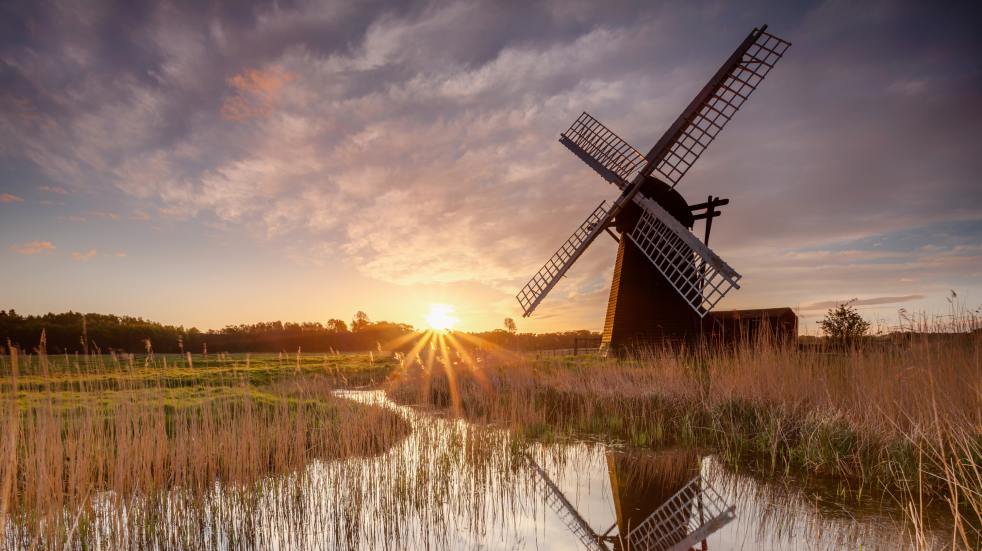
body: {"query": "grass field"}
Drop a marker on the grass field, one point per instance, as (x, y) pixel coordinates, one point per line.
(901, 422)
(152, 435)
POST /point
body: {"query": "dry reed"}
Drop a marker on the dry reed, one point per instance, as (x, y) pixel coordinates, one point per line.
(903, 420)
(82, 441)
(133, 454)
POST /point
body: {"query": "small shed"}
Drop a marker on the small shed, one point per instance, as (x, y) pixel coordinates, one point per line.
(780, 325)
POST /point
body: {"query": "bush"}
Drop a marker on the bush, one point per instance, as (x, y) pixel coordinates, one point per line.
(843, 323)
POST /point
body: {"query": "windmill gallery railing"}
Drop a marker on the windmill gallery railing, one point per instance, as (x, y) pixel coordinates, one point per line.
(688, 517)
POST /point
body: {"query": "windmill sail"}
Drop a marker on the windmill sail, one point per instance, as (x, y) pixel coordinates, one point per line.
(614, 159)
(701, 277)
(566, 512)
(715, 105)
(688, 517)
(555, 268)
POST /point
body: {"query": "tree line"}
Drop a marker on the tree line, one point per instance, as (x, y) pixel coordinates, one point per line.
(72, 332)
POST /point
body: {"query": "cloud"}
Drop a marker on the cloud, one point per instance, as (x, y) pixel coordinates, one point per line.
(84, 257)
(873, 301)
(9, 198)
(418, 143)
(54, 189)
(411, 161)
(255, 93)
(119, 254)
(139, 215)
(104, 215)
(33, 247)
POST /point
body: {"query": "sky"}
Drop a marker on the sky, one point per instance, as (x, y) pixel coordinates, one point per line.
(206, 164)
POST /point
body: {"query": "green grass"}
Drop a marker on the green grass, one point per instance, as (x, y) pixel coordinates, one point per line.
(901, 422)
(176, 381)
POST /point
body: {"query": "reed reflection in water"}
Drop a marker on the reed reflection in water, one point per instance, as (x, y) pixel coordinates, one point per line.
(453, 485)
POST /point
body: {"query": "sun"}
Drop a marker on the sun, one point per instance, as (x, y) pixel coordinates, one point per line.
(440, 317)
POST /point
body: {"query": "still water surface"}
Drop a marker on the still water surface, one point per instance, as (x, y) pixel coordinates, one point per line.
(450, 485)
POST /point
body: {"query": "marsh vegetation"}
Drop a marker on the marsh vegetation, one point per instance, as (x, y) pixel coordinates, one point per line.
(819, 450)
(901, 425)
(151, 438)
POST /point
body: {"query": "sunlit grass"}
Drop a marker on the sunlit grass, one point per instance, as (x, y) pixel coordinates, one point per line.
(82, 436)
(903, 422)
(229, 439)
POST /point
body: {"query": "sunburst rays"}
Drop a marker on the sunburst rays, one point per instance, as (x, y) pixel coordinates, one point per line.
(453, 352)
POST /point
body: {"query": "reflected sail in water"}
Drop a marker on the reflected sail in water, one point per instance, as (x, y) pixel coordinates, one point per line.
(661, 501)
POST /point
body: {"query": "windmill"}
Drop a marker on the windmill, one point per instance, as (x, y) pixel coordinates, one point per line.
(665, 279)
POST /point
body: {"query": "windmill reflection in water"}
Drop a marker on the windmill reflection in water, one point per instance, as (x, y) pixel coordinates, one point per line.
(661, 500)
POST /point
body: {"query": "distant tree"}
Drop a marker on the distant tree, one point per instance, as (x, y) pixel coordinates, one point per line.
(510, 326)
(360, 321)
(843, 323)
(63, 334)
(391, 326)
(337, 326)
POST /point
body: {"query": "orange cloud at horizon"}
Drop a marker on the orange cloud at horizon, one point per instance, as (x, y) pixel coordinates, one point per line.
(33, 247)
(84, 257)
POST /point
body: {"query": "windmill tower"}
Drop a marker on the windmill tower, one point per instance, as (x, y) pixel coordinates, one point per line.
(665, 279)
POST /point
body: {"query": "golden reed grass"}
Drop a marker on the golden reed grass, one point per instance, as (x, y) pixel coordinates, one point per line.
(109, 455)
(904, 420)
(156, 453)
